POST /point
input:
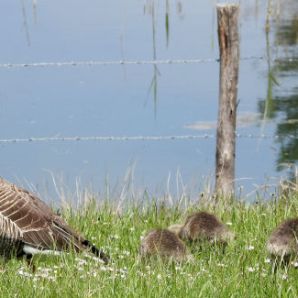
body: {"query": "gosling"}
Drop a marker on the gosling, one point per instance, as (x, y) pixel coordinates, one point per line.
(203, 226)
(283, 242)
(165, 244)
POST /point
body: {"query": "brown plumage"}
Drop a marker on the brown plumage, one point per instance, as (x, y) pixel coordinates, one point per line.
(163, 243)
(203, 226)
(29, 226)
(283, 242)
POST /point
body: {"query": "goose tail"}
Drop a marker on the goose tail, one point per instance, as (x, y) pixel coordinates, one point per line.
(96, 251)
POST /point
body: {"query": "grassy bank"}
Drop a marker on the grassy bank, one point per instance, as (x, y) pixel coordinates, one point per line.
(243, 271)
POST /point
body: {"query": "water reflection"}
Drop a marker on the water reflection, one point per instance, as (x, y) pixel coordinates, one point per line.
(25, 23)
(281, 103)
(287, 33)
(266, 107)
(100, 101)
(167, 22)
(151, 8)
(34, 9)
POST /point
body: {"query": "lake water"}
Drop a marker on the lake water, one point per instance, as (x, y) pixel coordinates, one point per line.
(143, 99)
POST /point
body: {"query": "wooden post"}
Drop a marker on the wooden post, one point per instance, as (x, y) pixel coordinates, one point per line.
(227, 18)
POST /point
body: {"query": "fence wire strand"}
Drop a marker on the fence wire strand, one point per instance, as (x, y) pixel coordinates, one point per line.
(118, 62)
(133, 62)
(134, 138)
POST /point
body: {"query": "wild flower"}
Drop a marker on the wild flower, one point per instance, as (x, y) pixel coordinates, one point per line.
(81, 261)
(24, 273)
(45, 270)
(123, 270)
(111, 269)
(126, 252)
(203, 270)
(103, 268)
(45, 276)
(267, 261)
(92, 273)
(115, 237)
(141, 274)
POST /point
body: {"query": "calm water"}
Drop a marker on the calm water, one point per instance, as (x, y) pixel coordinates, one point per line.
(133, 100)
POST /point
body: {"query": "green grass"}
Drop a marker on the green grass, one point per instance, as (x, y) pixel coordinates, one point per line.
(241, 272)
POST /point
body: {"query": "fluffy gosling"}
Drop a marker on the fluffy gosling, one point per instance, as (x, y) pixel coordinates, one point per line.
(283, 242)
(164, 243)
(203, 226)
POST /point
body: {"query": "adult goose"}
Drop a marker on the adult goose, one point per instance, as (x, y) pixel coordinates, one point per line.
(28, 226)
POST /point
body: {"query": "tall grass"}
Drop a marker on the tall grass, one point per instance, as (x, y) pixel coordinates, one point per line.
(243, 271)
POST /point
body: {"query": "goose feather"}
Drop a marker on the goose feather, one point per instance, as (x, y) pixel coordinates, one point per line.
(26, 221)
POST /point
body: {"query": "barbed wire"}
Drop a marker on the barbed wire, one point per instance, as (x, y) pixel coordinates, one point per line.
(133, 62)
(134, 138)
(118, 62)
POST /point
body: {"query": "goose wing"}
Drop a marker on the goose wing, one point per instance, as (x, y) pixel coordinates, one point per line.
(23, 216)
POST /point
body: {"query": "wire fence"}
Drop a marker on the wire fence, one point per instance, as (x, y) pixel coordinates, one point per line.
(91, 63)
(135, 138)
(117, 62)
(133, 62)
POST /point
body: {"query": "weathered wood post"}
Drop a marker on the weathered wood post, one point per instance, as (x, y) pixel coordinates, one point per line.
(228, 38)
